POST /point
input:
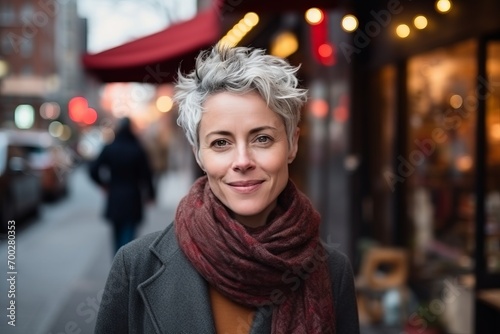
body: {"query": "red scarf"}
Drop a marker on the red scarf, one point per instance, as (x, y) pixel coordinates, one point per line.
(280, 264)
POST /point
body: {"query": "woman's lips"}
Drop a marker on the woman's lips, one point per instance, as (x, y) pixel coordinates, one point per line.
(245, 187)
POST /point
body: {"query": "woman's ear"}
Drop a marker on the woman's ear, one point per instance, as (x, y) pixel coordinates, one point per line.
(295, 146)
(197, 158)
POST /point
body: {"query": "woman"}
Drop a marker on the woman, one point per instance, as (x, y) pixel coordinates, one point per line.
(243, 254)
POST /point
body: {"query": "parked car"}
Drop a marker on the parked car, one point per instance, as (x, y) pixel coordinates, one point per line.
(46, 157)
(20, 187)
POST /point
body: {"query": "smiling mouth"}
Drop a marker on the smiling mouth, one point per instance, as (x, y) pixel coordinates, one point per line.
(245, 187)
(245, 183)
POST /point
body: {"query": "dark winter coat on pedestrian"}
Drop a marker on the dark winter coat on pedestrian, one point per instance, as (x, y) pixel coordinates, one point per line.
(153, 288)
(123, 170)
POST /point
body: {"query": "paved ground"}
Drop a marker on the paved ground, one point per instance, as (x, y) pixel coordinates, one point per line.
(64, 255)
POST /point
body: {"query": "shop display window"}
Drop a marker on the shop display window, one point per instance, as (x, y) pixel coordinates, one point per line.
(492, 184)
(438, 165)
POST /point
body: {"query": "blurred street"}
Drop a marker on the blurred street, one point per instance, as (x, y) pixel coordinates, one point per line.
(399, 146)
(63, 256)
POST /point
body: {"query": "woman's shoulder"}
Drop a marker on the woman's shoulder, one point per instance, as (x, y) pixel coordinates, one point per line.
(339, 264)
(335, 256)
(152, 247)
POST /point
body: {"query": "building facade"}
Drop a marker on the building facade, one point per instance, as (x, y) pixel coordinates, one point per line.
(41, 46)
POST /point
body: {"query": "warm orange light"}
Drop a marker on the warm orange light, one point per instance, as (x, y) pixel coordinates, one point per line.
(314, 16)
(456, 101)
(420, 22)
(495, 131)
(284, 44)
(251, 19)
(349, 23)
(403, 31)
(240, 29)
(464, 163)
(443, 6)
(164, 103)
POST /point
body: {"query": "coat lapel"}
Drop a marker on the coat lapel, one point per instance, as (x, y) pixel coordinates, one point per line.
(176, 296)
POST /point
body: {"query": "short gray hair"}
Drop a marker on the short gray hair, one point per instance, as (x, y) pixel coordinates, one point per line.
(238, 70)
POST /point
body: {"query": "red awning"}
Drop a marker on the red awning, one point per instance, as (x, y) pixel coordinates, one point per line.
(156, 58)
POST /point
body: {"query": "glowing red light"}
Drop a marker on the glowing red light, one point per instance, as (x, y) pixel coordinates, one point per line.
(77, 108)
(319, 108)
(326, 54)
(325, 50)
(341, 112)
(90, 116)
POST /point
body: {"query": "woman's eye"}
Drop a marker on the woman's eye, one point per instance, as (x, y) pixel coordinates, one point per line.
(219, 143)
(263, 139)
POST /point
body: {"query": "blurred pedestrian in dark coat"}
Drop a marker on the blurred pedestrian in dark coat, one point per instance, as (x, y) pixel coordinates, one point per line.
(123, 171)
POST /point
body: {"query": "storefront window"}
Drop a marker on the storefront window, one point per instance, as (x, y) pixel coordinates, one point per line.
(492, 184)
(438, 166)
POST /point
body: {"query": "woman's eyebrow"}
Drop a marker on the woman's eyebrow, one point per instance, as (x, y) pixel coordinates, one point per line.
(219, 132)
(252, 131)
(262, 128)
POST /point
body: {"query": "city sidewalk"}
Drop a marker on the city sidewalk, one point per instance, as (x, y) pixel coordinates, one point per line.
(64, 255)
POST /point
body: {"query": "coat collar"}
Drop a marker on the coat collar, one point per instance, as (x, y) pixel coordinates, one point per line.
(176, 296)
(172, 299)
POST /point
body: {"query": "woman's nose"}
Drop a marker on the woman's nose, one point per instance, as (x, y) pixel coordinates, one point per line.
(243, 160)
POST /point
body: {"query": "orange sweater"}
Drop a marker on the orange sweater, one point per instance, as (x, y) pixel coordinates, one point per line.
(230, 317)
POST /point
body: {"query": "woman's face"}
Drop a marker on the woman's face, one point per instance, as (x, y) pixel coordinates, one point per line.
(245, 152)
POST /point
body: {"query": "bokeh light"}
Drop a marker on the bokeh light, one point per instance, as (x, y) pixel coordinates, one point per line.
(56, 129)
(24, 116)
(325, 50)
(318, 107)
(164, 103)
(284, 44)
(443, 6)
(251, 19)
(50, 110)
(314, 16)
(240, 29)
(403, 31)
(495, 131)
(420, 22)
(456, 101)
(90, 116)
(77, 108)
(349, 23)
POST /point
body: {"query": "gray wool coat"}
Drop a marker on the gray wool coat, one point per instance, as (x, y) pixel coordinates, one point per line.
(153, 288)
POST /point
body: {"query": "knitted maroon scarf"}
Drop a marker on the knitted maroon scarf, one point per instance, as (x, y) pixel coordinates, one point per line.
(280, 264)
